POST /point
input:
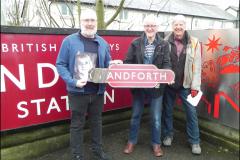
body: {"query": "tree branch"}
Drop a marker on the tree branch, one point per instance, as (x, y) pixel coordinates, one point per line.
(115, 14)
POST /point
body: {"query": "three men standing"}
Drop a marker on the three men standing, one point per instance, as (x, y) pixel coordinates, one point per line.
(87, 97)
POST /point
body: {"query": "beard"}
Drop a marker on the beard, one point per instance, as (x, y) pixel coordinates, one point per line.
(88, 32)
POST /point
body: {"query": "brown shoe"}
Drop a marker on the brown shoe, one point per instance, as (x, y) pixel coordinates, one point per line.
(157, 151)
(129, 148)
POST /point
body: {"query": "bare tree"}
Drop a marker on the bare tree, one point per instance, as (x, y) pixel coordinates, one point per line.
(100, 10)
(100, 13)
(18, 14)
(46, 13)
(79, 11)
(24, 13)
(14, 13)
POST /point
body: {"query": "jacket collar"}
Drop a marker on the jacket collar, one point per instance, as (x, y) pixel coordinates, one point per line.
(186, 38)
(95, 36)
(157, 38)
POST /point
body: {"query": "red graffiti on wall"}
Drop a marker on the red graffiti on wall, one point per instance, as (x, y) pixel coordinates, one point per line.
(213, 44)
(217, 103)
(209, 73)
(216, 106)
(226, 63)
(212, 68)
(229, 62)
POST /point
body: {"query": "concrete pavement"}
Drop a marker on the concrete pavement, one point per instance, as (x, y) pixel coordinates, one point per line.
(180, 150)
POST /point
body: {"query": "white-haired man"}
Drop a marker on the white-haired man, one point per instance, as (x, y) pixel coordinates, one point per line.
(84, 96)
(150, 48)
(185, 58)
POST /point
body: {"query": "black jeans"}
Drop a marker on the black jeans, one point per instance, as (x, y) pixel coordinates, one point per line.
(80, 105)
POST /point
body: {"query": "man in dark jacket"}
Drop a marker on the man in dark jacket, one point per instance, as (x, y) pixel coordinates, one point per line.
(186, 63)
(150, 48)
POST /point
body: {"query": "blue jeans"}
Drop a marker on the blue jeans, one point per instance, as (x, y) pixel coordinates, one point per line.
(191, 114)
(155, 111)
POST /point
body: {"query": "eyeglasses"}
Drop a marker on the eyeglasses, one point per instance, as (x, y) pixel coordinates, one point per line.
(150, 26)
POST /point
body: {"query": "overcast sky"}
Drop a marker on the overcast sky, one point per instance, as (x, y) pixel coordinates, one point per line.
(221, 3)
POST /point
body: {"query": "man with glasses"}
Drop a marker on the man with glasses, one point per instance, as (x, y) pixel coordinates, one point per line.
(84, 97)
(150, 48)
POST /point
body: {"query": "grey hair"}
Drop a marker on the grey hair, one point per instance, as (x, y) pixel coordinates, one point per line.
(150, 19)
(179, 18)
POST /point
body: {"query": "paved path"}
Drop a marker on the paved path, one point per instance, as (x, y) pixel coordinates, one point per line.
(115, 142)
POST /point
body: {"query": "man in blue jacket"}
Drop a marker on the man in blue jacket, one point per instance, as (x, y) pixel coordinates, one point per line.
(84, 97)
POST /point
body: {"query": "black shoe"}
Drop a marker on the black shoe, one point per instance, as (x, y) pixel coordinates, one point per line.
(100, 155)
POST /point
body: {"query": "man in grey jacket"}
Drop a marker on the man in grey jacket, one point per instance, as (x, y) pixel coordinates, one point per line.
(185, 58)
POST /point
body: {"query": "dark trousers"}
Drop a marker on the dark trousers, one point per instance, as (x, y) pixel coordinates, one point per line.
(80, 105)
